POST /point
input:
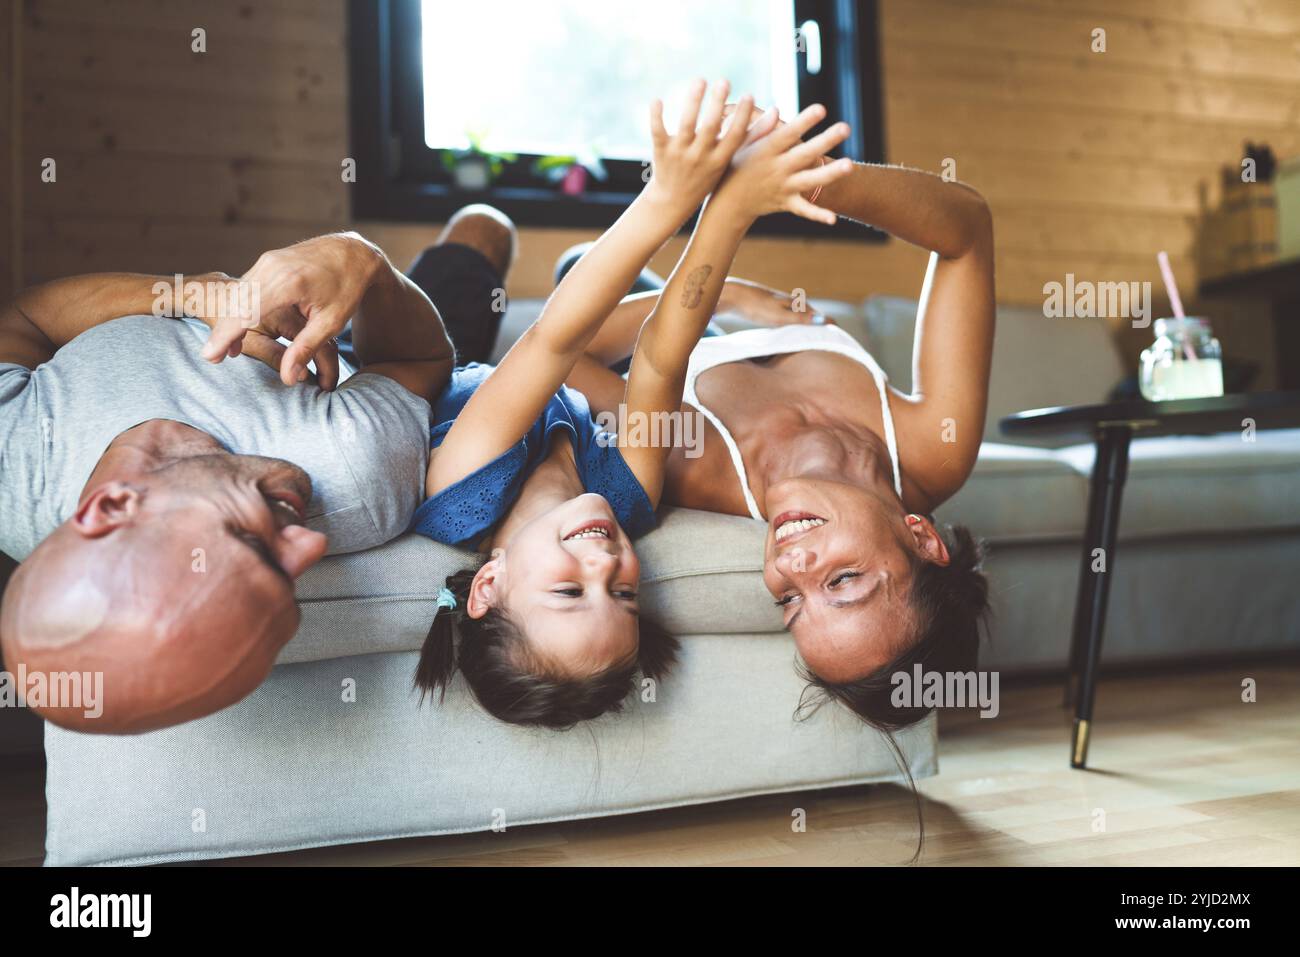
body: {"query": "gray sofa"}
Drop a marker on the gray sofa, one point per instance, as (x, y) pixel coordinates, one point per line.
(333, 748)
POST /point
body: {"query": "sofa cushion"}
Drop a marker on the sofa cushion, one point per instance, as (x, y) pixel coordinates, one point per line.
(1037, 362)
(699, 574)
(1195, 484)
(299, 764)
(700, 570)
(1019, 494)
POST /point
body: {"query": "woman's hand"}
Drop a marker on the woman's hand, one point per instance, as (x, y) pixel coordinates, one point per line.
(766, 306)
(688, 164)
(773, 172)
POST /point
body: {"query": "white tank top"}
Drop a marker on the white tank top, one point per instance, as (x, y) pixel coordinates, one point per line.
(775, 341)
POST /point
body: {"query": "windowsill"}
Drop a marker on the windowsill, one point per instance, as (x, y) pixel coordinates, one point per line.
(548, 208)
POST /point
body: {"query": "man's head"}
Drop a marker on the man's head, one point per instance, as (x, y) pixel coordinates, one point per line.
(177, 586)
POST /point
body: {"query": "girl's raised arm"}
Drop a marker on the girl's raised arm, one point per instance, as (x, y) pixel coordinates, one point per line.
(685, 168)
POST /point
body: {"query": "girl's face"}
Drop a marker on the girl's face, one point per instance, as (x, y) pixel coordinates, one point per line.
(569, 580)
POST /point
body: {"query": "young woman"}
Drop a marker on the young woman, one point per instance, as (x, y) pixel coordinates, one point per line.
(805, 434)
(548, 625)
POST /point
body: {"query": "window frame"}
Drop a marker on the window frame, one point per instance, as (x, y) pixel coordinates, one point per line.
(387, 127)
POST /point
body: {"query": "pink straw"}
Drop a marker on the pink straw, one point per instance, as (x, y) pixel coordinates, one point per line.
(1171, 287)
(1175, 300)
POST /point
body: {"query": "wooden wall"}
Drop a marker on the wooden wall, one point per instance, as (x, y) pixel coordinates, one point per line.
(174, 160)
(9, 215)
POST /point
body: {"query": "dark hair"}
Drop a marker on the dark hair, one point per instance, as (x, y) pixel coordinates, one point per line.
(950, 603)
(511, 682)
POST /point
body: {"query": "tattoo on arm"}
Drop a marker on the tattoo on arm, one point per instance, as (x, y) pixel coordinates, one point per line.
(694, 290)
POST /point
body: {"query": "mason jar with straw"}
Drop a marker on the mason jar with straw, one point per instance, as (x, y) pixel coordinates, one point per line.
(1185, 361)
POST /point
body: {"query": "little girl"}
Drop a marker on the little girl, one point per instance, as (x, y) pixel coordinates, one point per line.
(549, 627)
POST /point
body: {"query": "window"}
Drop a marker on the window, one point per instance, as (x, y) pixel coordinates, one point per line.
(541, 108)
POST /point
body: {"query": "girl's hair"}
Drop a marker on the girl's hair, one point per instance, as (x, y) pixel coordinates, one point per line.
(950, 603)
(511, 682)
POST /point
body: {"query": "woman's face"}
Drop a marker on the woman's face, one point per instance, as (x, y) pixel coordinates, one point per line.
(569, 579)
(839, 563)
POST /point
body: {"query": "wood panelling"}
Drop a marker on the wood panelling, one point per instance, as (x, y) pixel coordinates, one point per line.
(176, 160)
(1092, 161)
(9, 218)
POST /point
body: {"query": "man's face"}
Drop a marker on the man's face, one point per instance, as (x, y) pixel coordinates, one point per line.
(245, 507)
(184, 588)
(237, 543)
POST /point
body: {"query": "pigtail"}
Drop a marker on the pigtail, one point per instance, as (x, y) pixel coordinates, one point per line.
(438, 653)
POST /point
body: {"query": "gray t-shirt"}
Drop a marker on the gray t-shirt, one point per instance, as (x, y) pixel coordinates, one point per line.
(365, 445)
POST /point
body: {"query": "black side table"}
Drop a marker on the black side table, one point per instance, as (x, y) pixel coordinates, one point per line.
(1112, 426)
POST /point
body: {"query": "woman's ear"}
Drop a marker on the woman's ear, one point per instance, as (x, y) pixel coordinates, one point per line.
(483, 590)
(927, 539)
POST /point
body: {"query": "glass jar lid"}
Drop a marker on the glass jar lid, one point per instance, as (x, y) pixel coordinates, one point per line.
(1188, 325)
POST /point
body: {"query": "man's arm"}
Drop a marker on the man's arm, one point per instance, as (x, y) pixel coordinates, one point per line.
(397, 332)
(47, 317)
(307, 292)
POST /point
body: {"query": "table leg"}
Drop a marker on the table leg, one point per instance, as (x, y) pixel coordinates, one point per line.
(1109, 472)
(1084, 597)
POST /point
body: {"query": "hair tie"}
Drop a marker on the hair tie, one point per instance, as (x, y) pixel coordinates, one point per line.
(818, 191)
(446, 599)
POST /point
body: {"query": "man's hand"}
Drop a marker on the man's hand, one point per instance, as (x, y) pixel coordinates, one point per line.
(306, 293)
(219, 291)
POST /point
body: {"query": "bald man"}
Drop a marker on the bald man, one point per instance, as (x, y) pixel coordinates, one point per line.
(163, 501)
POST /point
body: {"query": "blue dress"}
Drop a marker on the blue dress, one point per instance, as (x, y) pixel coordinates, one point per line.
(466, 510)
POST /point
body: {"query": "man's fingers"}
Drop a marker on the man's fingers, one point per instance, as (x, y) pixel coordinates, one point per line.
(327, 365)
(307, 345)
(227, 332)
(691, 111)
(263, 349)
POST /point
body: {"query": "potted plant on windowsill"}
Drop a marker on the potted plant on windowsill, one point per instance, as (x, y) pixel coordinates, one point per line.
(573, 172)
(475, 168)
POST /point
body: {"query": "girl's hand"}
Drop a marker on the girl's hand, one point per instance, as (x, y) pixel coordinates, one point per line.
(688, 164)
(778, 171)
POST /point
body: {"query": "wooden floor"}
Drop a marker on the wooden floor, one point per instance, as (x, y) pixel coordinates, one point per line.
(1184, 773)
